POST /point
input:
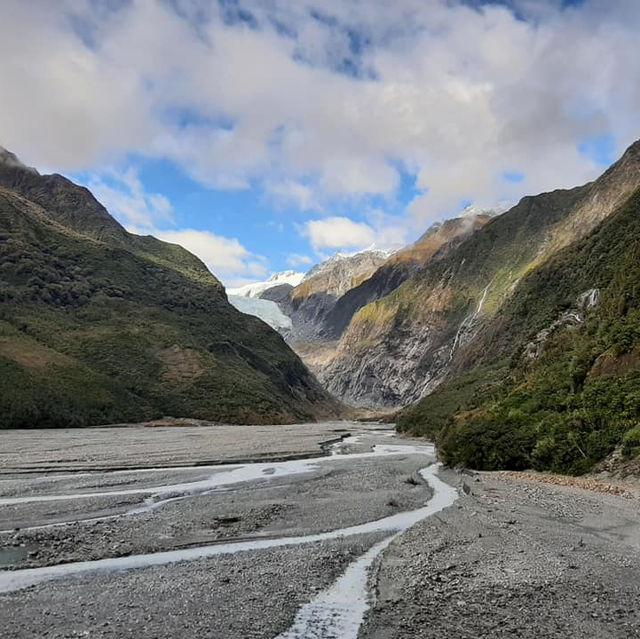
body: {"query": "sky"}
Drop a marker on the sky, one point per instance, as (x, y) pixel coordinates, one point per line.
(264, 135)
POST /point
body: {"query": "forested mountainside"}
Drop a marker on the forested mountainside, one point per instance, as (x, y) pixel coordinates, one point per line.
(98, 325)
(552, 380)
(399, 349)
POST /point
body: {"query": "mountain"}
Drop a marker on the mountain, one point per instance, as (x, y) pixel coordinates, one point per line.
(283, 281)
(309, 302)
(322, 306)
(553, 382)
(318, 309)
(399, 267)
(75, 208)
(471, 210)
(98, 325)
(401, 347)
(296, 304)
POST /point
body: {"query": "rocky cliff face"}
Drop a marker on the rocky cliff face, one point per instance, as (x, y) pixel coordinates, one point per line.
(98, 325)
(309, 303)
(399, 348)
(551, 382)
(435, 243)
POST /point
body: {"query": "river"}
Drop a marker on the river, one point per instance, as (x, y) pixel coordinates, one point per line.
(334, 607)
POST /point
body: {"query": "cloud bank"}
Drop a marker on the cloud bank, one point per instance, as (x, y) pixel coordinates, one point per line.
(320, 102)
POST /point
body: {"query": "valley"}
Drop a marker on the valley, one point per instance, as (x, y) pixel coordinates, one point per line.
(510, 337)
(504, 340)
(336, 529)
(320, 319)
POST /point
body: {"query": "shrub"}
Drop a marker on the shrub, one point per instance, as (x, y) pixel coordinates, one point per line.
(487, 442)
(631, 442)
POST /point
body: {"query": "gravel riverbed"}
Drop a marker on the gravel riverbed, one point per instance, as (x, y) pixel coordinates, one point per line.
(248, 595)
(513, 558)
(153, 445)
(333, 496)
(527, 556)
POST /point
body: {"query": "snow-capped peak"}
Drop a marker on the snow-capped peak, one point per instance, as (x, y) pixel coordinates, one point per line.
(255, 289)
(372, 251)
(286, 277)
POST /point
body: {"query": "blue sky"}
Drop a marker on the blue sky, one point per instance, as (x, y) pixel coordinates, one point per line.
(274, 231)
(266, 135)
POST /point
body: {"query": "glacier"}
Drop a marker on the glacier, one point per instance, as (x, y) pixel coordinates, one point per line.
(257, 288)
(266, 310)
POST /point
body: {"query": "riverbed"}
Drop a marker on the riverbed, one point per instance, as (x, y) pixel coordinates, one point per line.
(276, 547)
(335, 530)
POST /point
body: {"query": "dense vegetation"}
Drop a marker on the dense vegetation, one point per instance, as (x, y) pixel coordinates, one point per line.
(100, 326)
(565, 400)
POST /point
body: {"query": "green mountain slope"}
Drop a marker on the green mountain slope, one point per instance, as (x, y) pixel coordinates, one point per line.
(400, 348)
(98, 325)
(552, 381)
(75, 208)
(398, 268)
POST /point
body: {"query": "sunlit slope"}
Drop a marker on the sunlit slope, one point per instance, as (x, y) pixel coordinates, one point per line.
(554, 381)
(400, 348)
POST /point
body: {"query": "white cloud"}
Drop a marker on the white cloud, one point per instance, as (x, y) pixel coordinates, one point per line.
(292, 193)
(338, 233)
(226, 258)
(457, 94)
(124, 196)
(342, 233)
(297, 260)
(391, 231)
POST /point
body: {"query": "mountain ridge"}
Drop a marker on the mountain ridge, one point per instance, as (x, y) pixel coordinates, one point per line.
(553, 382)
(400, 266)
(101, 330)
(313, 298)
(75, 207)
(399, 348)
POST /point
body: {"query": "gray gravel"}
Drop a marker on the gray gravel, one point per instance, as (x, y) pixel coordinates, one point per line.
(514, 559)
(249, 594)
(338, 494)
(139, 446)
(252, 594)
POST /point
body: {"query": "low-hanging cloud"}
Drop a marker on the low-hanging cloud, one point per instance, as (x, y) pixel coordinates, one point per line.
(323, 100)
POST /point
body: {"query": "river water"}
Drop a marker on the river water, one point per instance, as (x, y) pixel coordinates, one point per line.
(338, 610)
